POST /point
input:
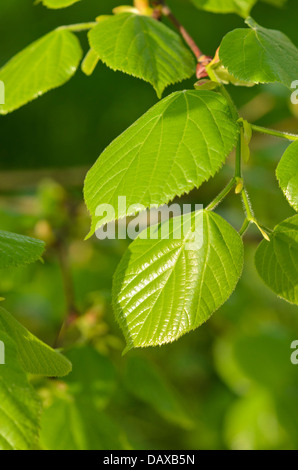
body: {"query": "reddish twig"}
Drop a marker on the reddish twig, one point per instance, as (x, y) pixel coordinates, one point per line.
(161, 8)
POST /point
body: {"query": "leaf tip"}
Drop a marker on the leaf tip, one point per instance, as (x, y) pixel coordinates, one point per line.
(128, 348)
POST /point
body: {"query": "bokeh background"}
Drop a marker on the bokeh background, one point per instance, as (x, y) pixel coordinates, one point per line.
(228, 385)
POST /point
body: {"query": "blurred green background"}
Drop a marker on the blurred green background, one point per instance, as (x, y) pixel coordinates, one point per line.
(228, 385)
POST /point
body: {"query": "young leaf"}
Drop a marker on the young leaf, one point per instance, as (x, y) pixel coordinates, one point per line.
(18, 250)
(46, 64)
(176, 146)
(241, 7)
(277, 260)
(19, 405)
(287, 174)
(55, 4)
(164, 288)
(260, 55)
(90, 62)
(143, 47)
(34, 356)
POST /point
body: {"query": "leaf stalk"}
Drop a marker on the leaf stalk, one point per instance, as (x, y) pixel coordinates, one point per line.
(275, 133)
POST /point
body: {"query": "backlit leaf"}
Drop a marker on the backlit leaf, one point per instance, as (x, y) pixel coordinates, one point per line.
(142, 47)
(287, 174)
(164, 288)
(260, 55)
(46, 64)
(176, 146)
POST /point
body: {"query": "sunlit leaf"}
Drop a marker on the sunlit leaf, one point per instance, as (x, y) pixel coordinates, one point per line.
(176, 146)
(260, 55)
(164, 288)
(287, 174)
(142, 47)
(46, 64)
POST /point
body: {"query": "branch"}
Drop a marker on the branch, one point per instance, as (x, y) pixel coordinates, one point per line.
(72, 311)
(162, 8)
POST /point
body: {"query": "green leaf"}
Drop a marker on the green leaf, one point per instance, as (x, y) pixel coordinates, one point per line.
(277, 260)
(260, 55)
(46, 64)
(18, 250)
(147, 384)
(34, 356)
(164, 288)
(55, 4)
(241, 7)
(90, 62)
(142, 47)
(176, 146)
(19, 405)
(287, 174)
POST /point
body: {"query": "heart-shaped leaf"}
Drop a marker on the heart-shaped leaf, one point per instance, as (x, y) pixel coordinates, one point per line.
(277, 260)
(167, 286)
(260, 55)
(143, 47)
(176, 146)
(287, 174)
(46, 64)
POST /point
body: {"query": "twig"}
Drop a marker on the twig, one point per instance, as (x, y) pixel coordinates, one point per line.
(72, 312)
(166, 11)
